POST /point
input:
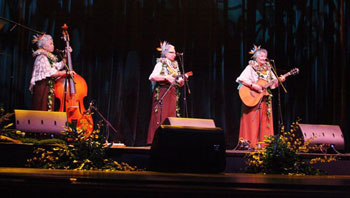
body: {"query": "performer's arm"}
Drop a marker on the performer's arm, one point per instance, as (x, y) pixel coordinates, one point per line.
(156, 76)
(275, 82)
(252, 86)
(181, 81)
(246, 79)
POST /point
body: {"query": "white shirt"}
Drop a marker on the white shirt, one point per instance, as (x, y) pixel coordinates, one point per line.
(249, 75)
(158, 68)
(42, 67)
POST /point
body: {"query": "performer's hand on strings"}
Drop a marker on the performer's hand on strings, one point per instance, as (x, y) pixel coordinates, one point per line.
(71, 73)
(170, 79)
(256, 87)
(70, 49)
(282, 78)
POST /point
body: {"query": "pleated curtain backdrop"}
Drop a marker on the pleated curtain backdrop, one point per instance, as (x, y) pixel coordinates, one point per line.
(114, 48)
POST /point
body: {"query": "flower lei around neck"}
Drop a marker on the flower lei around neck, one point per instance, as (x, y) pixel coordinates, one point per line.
(262, 72)
(51, 82)
(172, 69)
(51, 57)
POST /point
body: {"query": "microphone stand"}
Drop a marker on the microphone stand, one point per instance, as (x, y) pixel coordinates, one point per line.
(279, 109)
(186, 86)
(109, 125)
(160, 101)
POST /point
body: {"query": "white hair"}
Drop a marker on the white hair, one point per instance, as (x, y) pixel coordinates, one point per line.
(258, 51)
(40, 40)
(165, 46)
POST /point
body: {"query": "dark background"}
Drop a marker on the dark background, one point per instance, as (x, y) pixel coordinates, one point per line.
(114, 48)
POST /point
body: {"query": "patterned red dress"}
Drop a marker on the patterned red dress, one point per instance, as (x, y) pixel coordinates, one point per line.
(41, 84)
(168, 107)
(255, 124)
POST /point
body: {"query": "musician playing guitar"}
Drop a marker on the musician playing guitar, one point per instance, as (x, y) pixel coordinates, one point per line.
(257, 78)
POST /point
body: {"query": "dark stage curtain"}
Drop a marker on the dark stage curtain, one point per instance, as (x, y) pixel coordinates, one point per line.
(114, 48)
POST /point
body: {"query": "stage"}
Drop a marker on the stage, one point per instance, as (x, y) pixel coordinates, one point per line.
(15, 155)
(67, 183)
(16, 180)
(235, 161)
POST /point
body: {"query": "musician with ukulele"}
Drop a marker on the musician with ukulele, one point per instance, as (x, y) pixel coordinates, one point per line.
(166, 78)
(256, 119)
(46, 69)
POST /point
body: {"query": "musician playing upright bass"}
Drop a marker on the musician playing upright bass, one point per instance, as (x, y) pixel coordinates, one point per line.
(256, 123)
(45, 71)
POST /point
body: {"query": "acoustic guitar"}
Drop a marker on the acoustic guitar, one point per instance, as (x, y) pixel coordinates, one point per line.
(251, 97)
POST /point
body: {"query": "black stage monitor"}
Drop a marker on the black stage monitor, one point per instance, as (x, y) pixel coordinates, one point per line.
(188, 149)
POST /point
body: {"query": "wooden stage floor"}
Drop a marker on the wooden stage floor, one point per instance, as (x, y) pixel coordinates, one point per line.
(235, 161)
(15, 182)
(15, 155)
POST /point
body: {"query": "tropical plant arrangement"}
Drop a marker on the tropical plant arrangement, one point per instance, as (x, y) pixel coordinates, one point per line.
(72, 151)
(280, 155)
(6, 133)
(78, 153)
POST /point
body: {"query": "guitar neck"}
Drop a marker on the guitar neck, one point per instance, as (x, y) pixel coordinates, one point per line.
(273, 81)
(286, 74)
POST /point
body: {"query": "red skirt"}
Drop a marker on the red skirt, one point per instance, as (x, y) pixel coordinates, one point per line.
(167, 109)
(249, 126)
(40, 94)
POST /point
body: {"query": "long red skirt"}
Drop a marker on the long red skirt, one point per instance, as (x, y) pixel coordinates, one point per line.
(168, 109)
(40, 94)
(249, 128)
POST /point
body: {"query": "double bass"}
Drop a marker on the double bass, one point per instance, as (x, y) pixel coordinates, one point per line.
(71, 90)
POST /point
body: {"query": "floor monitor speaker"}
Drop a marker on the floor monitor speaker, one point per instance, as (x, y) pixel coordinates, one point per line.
(191, 122)
(188, 149)
(323, 134)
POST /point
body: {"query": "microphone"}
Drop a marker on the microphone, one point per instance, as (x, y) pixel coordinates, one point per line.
(270, 60)
(59, 51)
(179, 54)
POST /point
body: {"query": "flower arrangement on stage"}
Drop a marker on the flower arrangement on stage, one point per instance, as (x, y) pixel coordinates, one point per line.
(7, 135)
(79, 153)
(72, 151)
(281, 155)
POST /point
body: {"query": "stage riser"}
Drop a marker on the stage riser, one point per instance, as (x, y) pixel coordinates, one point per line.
(16, 182)
(13, 155)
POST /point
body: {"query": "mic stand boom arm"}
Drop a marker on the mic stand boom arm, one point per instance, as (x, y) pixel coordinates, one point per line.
(279, 81)
(105, 120)
(160, 101)
(18, 24)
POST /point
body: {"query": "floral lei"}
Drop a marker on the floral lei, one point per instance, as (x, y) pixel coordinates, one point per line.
(52, 59)
(157, 87)
(261, 71)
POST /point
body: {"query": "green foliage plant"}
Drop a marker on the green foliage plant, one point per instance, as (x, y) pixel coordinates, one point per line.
(281, 155)
(77, 153)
